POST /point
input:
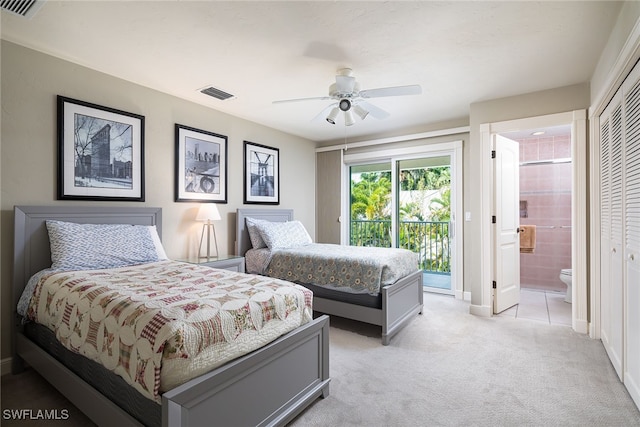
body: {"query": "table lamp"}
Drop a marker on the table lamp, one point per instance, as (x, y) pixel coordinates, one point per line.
(208, 212)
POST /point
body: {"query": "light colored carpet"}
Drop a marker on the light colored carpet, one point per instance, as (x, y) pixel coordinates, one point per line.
(449, 368)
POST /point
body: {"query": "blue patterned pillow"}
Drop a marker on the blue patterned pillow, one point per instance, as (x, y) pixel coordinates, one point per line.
(95, 246)
(284, 234)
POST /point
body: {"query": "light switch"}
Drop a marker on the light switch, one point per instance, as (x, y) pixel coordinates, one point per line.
(467, 216)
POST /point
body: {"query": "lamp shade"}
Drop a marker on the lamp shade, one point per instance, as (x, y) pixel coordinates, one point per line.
(361, 112)
(208, 211)
(348, 118)
(331, 118)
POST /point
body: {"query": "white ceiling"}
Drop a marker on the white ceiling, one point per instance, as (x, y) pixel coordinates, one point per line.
(459, 52)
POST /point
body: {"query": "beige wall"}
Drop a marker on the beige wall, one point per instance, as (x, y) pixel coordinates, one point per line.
(626, 23)
(30, 83)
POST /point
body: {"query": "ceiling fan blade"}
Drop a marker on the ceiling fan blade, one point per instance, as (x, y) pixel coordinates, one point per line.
(391, 91)
(376, 112)
(318, 98)
(345, 84)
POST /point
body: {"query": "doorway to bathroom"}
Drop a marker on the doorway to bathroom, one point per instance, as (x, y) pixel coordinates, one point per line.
(489, 255)
(545, 224)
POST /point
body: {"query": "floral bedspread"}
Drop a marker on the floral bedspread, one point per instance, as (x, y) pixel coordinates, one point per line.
(160, 324)
(353, 269)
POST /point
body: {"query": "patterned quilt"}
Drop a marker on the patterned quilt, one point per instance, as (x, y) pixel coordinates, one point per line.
(354, 269)
(160, 324)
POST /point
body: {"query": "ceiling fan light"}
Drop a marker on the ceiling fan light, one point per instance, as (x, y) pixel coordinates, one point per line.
(348, 118)
(361, 112)
(333, 114)
(345, 104)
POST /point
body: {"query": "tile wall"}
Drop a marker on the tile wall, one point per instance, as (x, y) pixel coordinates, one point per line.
(546, 188)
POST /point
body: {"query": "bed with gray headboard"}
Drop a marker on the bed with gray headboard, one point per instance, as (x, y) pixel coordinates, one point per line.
(233, 394)
(395, 306)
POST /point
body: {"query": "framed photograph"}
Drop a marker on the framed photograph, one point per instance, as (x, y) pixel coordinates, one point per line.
(201, 166)
(261, 174)
(100, 152)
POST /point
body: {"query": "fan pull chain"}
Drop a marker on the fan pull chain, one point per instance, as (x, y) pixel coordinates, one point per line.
(346, 147)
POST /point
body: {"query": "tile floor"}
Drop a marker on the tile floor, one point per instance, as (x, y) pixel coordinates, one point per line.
(543, 306)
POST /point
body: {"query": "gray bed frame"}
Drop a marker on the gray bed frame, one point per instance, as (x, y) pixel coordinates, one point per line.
(401, 301)
(295, 367)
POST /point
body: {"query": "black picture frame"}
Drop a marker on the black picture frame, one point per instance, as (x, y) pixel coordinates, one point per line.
(100, 152)
(200, 166)
(261, 174)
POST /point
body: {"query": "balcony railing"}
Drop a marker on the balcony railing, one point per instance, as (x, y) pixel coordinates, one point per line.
(429, 239)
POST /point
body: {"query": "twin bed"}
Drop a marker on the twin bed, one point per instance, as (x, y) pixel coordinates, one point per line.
(95, 315)
(150, 341)
(392, 305)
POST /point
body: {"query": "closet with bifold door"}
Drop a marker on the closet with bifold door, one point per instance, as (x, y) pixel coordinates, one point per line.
(620, 232)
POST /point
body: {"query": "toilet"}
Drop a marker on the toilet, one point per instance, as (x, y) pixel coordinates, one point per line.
(565, 276)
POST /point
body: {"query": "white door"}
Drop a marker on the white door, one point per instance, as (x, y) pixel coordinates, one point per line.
(605, 230)
(632, 368)
(612, 291)
(616, 285)
(631, 377)
(507, 222)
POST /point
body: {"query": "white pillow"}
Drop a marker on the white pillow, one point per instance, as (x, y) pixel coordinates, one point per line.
(157, 242)
(95, 246)
(254, 234)
(284, 234)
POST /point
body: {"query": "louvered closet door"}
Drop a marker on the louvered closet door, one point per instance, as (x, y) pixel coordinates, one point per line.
(605, 227)
(631, 90)
(611, 137)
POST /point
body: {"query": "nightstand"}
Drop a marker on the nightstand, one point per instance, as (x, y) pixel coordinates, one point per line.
(225, 262)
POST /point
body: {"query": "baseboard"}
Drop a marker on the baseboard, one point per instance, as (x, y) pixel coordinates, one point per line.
(465, 296)
(5, 366)
(582, 327)
(480, 310)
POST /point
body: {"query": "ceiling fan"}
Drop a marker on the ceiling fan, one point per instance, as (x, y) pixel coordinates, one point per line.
(350, 99)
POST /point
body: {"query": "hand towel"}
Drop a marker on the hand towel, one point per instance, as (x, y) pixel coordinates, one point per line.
(527, 239)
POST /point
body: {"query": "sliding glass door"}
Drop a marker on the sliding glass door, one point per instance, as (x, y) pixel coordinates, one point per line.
(406, 203)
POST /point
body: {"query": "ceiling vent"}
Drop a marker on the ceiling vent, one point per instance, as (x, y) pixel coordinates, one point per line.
(216, 93)
(24, 8)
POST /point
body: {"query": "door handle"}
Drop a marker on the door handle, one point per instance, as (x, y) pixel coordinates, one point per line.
(631, 257)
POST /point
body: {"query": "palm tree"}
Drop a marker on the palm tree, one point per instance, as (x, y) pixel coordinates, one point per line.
(371, 196)
(440, 207)
(370, 201)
